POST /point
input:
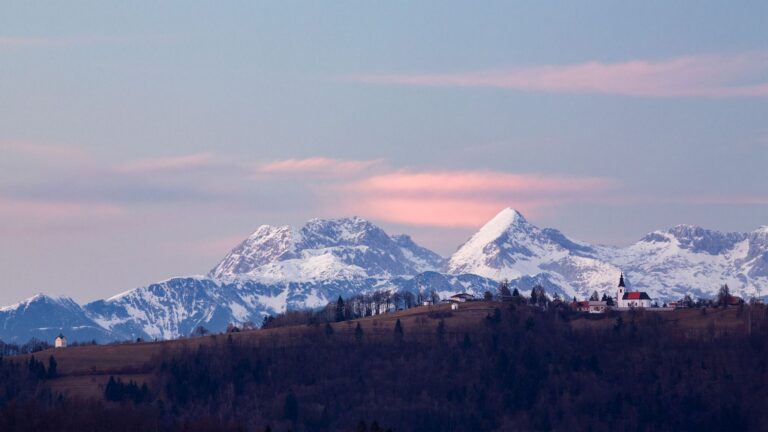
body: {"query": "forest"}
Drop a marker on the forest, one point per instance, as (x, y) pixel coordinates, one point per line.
(519, 368)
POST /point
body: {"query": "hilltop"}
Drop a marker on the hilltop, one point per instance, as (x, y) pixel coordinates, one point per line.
(491, 365)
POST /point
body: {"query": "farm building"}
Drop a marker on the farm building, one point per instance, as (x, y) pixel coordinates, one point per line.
(461, 298)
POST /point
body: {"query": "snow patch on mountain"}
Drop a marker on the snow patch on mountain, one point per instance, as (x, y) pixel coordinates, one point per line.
(280, 268)
(324, 249)
(509, 247)
(685, 259)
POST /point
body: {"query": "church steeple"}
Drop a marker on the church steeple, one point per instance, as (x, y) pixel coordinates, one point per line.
(621, 280)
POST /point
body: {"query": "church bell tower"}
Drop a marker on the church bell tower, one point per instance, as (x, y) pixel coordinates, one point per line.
(621, 290)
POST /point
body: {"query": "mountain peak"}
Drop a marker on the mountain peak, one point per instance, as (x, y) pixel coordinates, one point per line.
(500, 223)
(327, 248)
(37, 298)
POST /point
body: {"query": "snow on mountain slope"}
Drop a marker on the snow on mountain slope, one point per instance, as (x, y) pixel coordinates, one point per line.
(422, 258)
(177, 306)
(44, 317)
(324, 249)
(692, 260)
(668, 264)
(509, 247)
(280, 268)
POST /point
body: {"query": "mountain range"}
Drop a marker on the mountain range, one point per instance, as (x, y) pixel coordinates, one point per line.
(283, 267)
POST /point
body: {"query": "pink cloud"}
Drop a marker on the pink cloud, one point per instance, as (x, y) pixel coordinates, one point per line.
(317, 167)
(178, 163)
(741, 75)
(455, 198)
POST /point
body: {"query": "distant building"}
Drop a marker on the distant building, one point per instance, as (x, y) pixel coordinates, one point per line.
(631, 299)
(461, 298)
(590, 306)
(735, 301)
(60, 342)
(580, 306)
(454, 306)
(595, 307)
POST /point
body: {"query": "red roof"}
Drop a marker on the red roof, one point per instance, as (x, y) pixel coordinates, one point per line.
(636, 295)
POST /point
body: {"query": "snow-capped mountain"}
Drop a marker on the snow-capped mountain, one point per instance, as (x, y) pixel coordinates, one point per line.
(274, 269)
(692, 260)
(280, 268)
(667, 264)
(177, 306)
(44, 317)
(509, 247)
(324, 249)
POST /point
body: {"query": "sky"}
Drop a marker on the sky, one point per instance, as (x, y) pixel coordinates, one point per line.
(143, 140)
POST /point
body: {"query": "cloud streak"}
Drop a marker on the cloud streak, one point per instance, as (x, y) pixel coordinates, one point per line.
(317, 167)
(713, 76)
(177, 163)
(456, 198)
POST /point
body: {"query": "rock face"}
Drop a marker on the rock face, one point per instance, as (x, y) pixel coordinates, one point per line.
(279, 268)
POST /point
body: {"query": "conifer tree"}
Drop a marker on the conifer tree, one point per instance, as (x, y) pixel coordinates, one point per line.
(340, 310)
(361, 427)
(504, 290)
(398, 331)
(111, 392)
(441, 330)
(466, 343)
(291, 411)
(52, 368)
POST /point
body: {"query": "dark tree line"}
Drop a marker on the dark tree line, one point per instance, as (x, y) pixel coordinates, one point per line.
(117, 391)
(343, 309)
(518, 368)
(522, 368)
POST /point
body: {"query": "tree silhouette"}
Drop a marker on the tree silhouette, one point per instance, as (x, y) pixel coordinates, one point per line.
(52, 368)
(724, 296)
(398, 331)
(340, 310)
(291, 409)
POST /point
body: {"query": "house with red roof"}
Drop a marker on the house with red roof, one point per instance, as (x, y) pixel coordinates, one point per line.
(631, 299)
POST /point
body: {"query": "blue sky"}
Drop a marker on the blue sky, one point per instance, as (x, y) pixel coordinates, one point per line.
(141, 140)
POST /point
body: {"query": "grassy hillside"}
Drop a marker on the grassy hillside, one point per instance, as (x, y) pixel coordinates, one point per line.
(487, 366)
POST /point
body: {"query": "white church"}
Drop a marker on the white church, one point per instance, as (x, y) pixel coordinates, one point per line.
(631, 299)
(60, 342)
